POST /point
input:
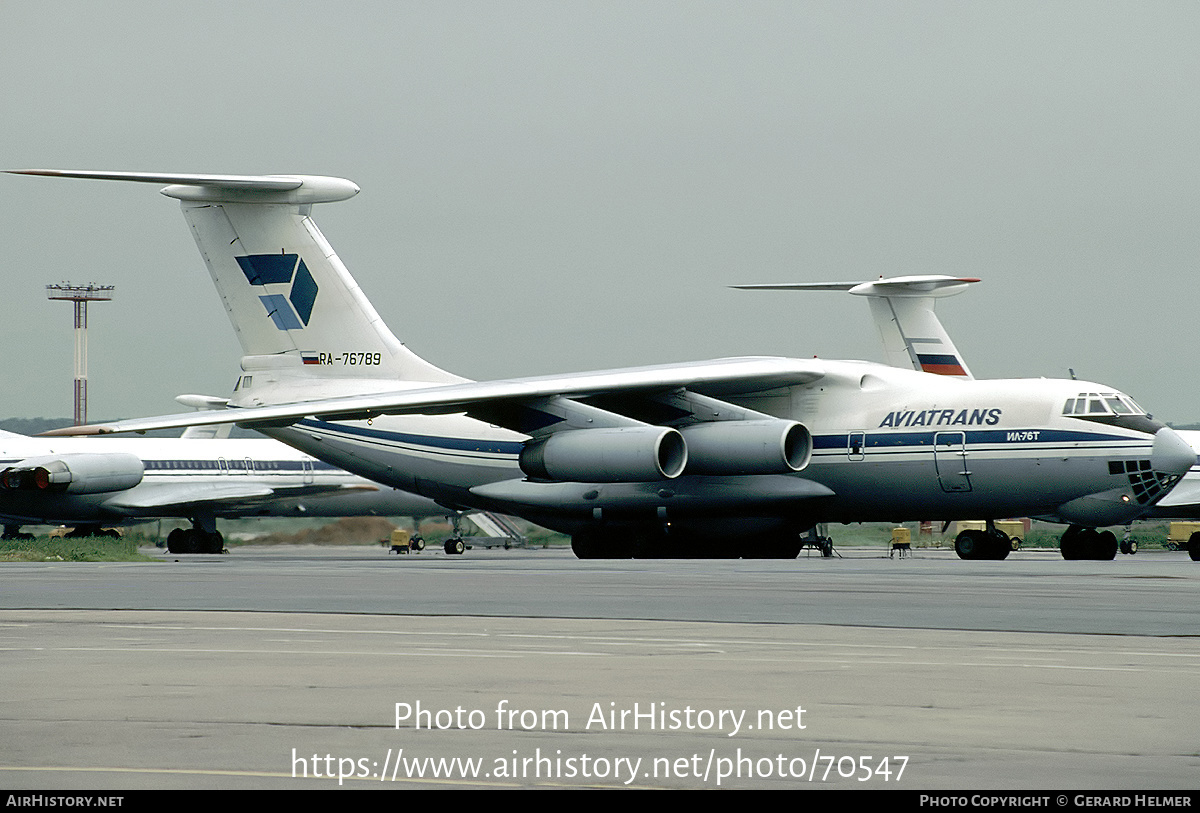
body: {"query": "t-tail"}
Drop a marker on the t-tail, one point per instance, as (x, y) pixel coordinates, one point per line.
(296, 310)
(902, 307)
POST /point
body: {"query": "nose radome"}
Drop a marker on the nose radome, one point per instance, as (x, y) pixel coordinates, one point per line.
(1171, 454)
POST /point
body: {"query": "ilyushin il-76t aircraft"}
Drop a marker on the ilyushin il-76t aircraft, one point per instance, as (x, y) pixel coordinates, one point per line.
(727, 457)
(912, 334)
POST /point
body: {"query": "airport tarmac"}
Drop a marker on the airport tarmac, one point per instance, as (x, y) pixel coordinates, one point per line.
(314, 667)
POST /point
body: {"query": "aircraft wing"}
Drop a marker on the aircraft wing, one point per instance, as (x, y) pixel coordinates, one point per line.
(1185, 494)
(218, 496)
(712, 378)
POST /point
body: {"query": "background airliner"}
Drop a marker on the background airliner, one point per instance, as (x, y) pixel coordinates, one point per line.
(721, 457)
(88, 483)
(912, 334)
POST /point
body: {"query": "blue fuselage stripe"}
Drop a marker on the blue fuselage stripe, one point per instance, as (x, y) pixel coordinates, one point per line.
(500, 447)
(980, 437)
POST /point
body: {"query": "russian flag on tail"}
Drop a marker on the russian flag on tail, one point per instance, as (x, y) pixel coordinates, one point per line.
(941, 365)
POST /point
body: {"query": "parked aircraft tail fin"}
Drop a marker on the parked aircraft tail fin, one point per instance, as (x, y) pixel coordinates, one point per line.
(902, 307)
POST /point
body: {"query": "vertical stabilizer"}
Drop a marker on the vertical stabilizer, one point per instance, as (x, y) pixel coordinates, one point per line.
(902, 307)
(290, 299)
(287, 293)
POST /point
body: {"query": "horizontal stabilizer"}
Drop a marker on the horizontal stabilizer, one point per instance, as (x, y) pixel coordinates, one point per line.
(297, 189)
(902, 307)
(917, 285)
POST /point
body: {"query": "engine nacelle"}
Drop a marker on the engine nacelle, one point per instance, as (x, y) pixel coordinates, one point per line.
(83, 473)
(632, 454)
(747, 447)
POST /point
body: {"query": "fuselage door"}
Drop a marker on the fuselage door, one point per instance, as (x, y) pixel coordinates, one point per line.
(857, 445)
(950, 460)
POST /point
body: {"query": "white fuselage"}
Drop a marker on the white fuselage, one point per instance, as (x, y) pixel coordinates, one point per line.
(888, 444)
(188, 477)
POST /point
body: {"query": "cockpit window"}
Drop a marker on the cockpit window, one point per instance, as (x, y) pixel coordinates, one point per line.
(1099, 404)
(1111, 408)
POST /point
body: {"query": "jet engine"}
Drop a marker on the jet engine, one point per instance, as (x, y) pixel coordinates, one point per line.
(747, 447)
(84, 473)
(621, 455)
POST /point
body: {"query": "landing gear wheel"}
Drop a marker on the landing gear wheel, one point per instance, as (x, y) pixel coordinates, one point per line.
(211, 542)
(177, 541)
(1088, 543)
(584, 547)
(1073, 544)
(454, 546)
(1193, 547)
(1001, 546)
(193, 540)
(982, 545)
(417, 543)
(969, 545)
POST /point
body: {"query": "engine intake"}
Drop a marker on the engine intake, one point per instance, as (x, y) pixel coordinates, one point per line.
(747, 447)
(84, 473)
(622, 455)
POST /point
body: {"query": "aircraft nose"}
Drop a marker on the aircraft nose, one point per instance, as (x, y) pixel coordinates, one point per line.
(1171, 453)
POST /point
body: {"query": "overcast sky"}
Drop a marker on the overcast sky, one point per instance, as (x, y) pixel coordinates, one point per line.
(558, 186)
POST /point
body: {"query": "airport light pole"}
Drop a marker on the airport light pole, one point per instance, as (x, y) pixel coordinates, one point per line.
(81, 295)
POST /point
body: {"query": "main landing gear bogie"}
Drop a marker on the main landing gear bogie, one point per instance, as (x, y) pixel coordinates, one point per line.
(1088, 543)
(194, 540)
(988, 544)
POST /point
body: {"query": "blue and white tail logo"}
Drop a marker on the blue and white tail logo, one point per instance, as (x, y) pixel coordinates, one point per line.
(291, 310)
(257, 229)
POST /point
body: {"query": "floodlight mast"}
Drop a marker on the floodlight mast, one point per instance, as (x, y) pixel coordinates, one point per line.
(81, 295)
